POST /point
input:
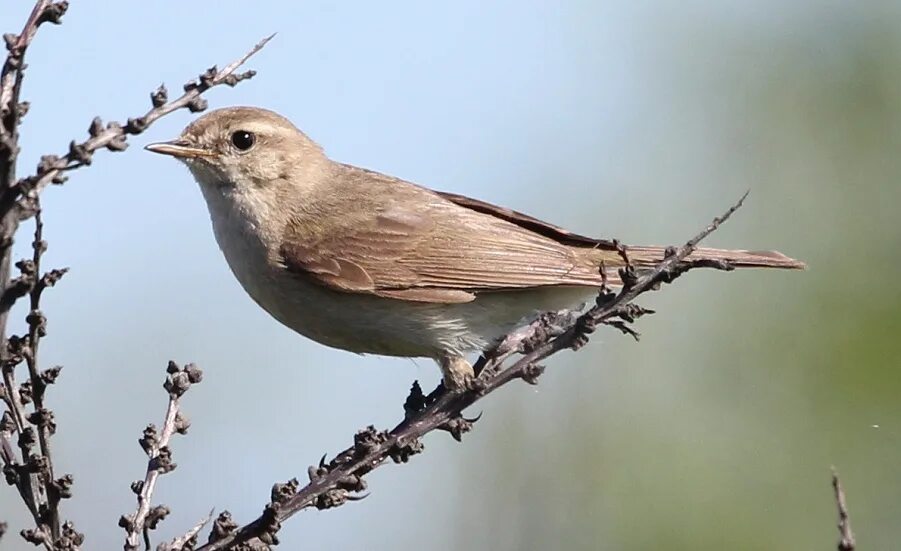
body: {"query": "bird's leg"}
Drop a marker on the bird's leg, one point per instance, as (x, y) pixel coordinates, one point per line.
(458, 373)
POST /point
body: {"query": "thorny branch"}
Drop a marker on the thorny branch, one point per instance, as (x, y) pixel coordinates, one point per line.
(27, 423)
(333, 483)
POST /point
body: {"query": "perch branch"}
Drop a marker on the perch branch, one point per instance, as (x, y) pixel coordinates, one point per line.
(333, 483)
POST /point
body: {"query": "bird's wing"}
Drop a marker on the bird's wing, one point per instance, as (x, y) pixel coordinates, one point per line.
(413, 244)
(525, 221)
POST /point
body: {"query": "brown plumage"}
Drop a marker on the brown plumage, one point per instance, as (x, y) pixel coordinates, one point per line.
(412, 243)
(373, 264)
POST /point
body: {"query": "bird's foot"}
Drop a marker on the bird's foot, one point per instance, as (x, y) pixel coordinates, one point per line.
(458, 373)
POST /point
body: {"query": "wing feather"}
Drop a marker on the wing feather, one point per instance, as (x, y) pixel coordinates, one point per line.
(413, 244)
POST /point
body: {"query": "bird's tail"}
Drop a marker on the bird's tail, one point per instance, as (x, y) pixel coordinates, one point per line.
(647, 256)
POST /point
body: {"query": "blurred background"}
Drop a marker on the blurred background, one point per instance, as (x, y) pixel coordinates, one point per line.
(640, 122)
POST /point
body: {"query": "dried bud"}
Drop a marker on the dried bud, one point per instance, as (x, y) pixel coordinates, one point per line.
(136, 125)
(63, 486)
(458, 426)
(163, 461)
(127, 522)
(35, 536)
(43, 418)
(149, 439)
(331, 498)
(38, 464)
(78, 152)
(26, 266)
(69, 534)
(37, 321)
(54, 13)
(531, 372)
(197, 105)
(177, 384)
(7, 423)
(182, 423)
(208, 77)
(47, 163)
(11, 474)
(195, 374)
(96, 127)
(160, 96)
(51, 278)
(281, 493)
(26, 392)
(234, 79)
(367, 440)
(119, 143)
(49, 376)
(401, 452)
(223, 526)
(156, 515)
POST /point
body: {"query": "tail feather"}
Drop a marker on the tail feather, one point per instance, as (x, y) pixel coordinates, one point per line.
(738, 258)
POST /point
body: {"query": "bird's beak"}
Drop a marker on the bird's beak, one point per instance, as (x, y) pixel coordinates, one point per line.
(178, 148)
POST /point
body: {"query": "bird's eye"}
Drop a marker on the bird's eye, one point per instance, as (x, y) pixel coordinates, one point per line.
(243, 140)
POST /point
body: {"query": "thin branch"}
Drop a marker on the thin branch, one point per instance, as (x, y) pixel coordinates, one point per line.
(338, 481)
(113, 136)
(18, 44)
(846, 540)
(187, 540)
(11, 113)
(156, 446)
(43, 417)
(31, 469)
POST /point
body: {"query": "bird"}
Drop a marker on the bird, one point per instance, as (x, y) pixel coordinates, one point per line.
(372, 264)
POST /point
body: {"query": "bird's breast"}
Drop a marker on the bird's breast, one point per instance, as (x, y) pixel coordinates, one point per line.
(359, 322)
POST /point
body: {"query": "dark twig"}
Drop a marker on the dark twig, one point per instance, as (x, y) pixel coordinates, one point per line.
(333, 483)
(27, 423)
(114, 134)
(846, 535)
(11, 113)
(156, 446)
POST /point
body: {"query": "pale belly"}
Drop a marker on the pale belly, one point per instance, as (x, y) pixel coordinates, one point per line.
(374, 325)
(365, 323)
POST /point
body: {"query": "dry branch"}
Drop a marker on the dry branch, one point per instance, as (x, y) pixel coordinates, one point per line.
(333, 483)
(27, 424)
(846, 540)
(156, 446)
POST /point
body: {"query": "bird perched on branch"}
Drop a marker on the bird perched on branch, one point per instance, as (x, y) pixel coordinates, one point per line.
(373, 264)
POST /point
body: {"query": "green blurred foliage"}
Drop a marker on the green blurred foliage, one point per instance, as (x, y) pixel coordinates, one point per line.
(718, 430)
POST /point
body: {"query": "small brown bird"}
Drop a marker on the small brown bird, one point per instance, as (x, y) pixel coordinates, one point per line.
(370, 263)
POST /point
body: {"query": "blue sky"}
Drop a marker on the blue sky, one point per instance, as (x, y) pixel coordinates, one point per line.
(604, 117)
